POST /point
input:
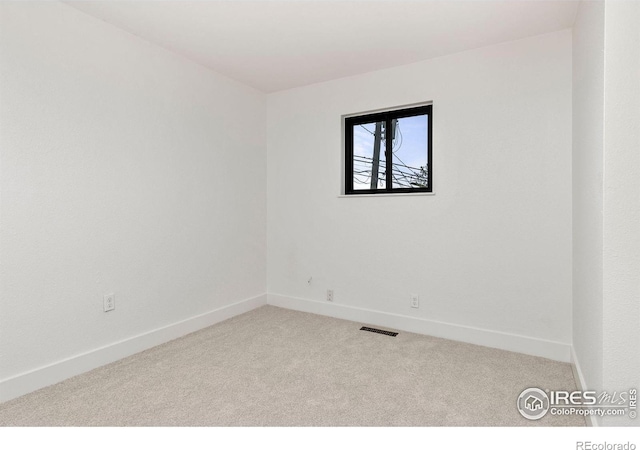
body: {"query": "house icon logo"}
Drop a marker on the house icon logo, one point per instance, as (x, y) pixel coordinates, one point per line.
(533, 403)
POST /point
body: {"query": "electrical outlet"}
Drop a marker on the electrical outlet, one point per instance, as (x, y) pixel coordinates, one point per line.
(415, 301)
(329, 295)
(109, 302)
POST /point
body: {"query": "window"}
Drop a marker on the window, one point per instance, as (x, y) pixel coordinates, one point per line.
(389, 152)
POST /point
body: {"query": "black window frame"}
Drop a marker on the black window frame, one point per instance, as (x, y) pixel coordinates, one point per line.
(387, 117)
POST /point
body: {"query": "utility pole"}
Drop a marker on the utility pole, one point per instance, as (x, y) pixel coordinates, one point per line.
(376, 155)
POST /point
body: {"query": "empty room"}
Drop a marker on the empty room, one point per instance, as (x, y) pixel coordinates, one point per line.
(320, 214)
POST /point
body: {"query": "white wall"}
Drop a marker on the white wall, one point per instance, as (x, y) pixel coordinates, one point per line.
(491, 249)
(125, 169)
(588, 148)
(621, 192)
(606, 197)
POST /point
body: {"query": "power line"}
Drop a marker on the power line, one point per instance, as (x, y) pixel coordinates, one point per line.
(402, 174)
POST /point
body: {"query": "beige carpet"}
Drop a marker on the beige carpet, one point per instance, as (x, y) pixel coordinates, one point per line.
(276, 367)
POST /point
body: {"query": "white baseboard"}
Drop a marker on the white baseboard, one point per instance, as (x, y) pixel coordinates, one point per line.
(505, 341)
(36, 379)
(592, 421)
(54, 373)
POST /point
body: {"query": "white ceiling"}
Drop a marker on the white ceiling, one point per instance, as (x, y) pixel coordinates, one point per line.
(275, 45)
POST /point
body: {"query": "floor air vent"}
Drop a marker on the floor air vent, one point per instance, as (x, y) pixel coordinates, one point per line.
(375, 330)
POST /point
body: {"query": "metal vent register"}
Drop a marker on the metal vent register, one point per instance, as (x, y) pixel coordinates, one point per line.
(375, 330)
